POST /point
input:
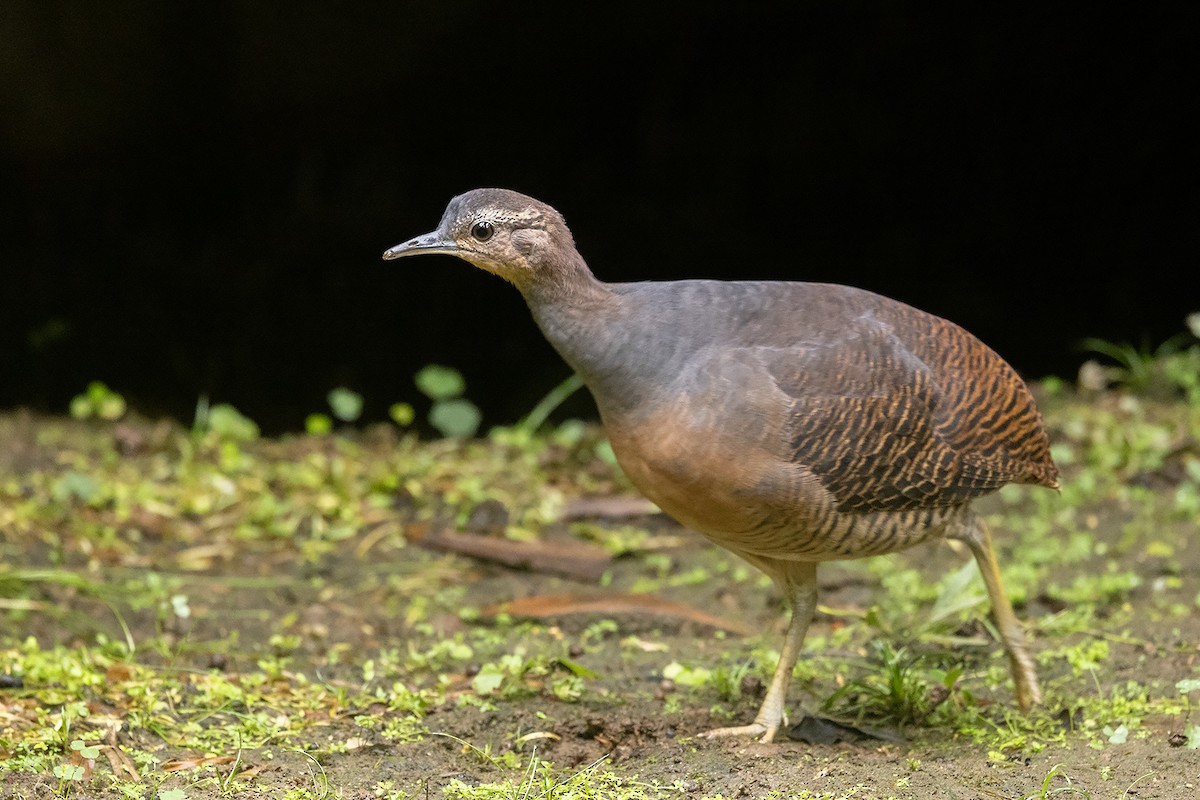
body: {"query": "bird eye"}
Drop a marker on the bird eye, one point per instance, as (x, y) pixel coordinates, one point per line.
(482, 231)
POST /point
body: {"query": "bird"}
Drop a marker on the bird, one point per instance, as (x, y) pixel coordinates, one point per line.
(789, 422)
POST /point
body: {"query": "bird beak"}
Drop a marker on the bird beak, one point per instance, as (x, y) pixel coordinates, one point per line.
(422, 245)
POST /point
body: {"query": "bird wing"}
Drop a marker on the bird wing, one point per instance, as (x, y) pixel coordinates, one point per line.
(879, 427)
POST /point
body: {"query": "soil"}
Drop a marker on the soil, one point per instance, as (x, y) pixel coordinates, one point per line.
(355, 602)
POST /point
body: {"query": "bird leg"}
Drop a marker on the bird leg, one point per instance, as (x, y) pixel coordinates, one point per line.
(798, 580)
(975, 534)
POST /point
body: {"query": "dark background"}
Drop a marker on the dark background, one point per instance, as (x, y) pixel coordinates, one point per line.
(195, 195)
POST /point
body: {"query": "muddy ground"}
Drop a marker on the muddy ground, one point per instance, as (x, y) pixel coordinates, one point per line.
(392, 669)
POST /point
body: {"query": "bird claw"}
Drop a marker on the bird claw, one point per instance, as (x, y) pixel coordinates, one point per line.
(753, 729)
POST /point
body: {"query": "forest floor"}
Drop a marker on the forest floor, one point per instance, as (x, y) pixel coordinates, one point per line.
(190, 614)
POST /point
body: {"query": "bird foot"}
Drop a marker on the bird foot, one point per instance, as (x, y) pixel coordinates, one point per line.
(753, 729)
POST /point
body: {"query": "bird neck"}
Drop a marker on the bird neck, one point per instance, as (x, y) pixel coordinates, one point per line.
(585, 320)
(571, 307)
(566, 283)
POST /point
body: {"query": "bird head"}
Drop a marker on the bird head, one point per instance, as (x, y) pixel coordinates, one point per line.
(503, 232)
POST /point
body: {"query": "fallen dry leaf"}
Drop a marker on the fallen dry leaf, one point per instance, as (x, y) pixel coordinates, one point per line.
(570, 559)
(610, 507)
(122, 766)
(177, 764)
(645, 646)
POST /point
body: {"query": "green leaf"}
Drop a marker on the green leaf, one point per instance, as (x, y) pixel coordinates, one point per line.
(229, 423)
(1193, 734)
(578, 669)
(440, 383)
(951, 677)
(1118, 735)
(75, 486)
(488, 680)
(68, 772)
(105, 403)
(318, 424)
(179, 605)
(605, 453)
(553, 399)
(172, 794)
(98, 400)
(686, 676)
(960, 590)
(402, 414)
(1188, 685)
(347, 404)
(455, 417)
(81, 406)
(111, 407)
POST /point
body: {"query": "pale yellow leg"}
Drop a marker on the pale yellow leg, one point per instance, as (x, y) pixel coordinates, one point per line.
(975, 535)
(798, 580)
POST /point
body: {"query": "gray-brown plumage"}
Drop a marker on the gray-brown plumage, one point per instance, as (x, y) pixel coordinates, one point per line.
(790, 423)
